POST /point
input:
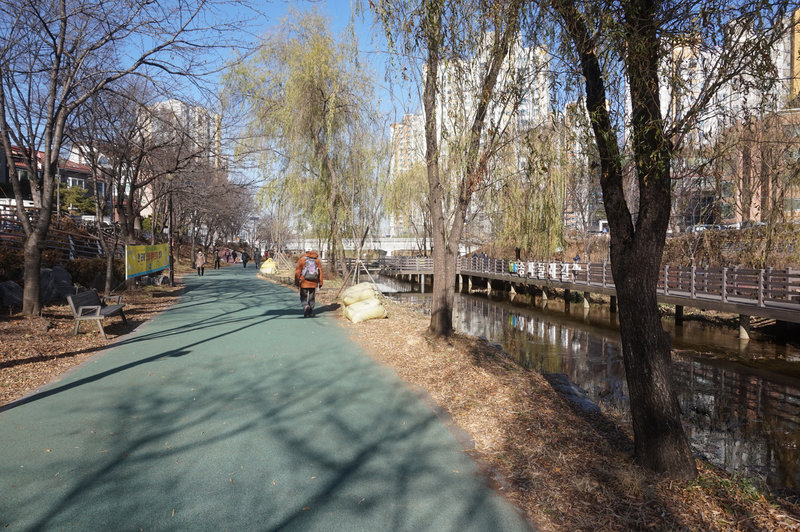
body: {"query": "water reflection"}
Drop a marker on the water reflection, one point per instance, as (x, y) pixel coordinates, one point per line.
(739, 415)
(390, 285)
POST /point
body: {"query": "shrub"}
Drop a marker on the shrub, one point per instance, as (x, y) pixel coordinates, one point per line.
(52, 257)
(84, 271)
(12, 264)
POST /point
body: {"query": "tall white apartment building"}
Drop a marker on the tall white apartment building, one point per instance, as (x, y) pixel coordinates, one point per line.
(408, 151)
(202, 130)
(524, 72)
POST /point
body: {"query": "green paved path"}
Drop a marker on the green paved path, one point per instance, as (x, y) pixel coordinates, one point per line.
(232, 412)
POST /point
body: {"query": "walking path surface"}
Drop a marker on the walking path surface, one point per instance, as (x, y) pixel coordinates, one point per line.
(230, 411)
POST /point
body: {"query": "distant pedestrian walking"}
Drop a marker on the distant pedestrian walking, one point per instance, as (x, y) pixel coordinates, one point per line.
(257, 257)
(200, 262)
(216, 258)
(245, 258)
(233, 254)
(308, 276)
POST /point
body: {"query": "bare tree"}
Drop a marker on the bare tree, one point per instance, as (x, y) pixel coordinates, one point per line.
(633, 37)
(132, 145)
(466, 47)
(55, 55)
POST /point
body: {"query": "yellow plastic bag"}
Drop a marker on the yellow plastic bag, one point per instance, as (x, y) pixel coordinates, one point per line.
(367, 309)
(270, 267)
(357, 293)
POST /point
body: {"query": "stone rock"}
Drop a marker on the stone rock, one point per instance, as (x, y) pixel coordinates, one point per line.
(10, 294)
(99, 282)
(54, 285)
(571, 392)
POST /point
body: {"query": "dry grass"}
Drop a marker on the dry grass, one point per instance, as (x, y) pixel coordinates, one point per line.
(567, 471)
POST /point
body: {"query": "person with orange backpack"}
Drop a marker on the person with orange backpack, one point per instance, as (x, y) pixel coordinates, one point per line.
(308, 276)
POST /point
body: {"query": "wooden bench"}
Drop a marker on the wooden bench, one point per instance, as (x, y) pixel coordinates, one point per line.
(88, 306)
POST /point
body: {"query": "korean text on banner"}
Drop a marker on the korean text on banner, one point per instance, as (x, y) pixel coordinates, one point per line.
(141, 260)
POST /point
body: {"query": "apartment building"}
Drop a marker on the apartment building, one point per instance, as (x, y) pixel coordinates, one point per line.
(738, 162)
(408, 153)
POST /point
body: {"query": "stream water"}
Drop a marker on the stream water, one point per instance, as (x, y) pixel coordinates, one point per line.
(741, 400)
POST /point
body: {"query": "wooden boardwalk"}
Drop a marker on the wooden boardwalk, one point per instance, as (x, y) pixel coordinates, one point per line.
(768, 293)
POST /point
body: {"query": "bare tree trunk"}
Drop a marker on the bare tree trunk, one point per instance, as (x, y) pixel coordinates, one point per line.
(107, 288)
(31, 306)
(446, 246)
(661, 443)
(636, 250)
(108, 250)
(193, 238)
(441, 311)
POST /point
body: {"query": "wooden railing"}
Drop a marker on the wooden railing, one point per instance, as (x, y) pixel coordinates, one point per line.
(763, 288)
(72, 245)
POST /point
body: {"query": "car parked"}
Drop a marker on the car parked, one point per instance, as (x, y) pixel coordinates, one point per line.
(699, 228)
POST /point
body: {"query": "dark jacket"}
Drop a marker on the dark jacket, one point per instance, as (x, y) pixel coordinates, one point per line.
(298, 280)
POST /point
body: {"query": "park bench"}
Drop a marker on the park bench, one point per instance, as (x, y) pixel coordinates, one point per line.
(87, 305)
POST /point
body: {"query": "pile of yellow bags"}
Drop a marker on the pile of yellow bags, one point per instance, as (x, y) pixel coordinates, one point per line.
(269, 267)
(361, 303)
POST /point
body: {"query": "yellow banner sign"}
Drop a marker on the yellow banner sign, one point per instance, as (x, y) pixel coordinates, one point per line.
(141, 260)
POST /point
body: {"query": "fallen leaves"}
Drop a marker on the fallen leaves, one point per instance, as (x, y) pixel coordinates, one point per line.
(38, 350)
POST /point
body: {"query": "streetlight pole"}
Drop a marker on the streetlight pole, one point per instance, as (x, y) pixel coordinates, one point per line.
(171, 233)
(58, 193)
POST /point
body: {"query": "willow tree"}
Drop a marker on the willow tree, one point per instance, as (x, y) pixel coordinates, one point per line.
(470, 89)
(307, 98)
(407, 200)
(527, 205)
(365, 188)
(633, 40)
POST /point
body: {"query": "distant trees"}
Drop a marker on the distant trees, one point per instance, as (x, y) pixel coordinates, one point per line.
(407, 201)
(133, 145)
(755, 176)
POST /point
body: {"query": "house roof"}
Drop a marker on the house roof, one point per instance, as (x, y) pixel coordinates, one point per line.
(63, 164)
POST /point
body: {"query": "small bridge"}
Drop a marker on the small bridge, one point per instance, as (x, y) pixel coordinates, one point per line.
(768, 293)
